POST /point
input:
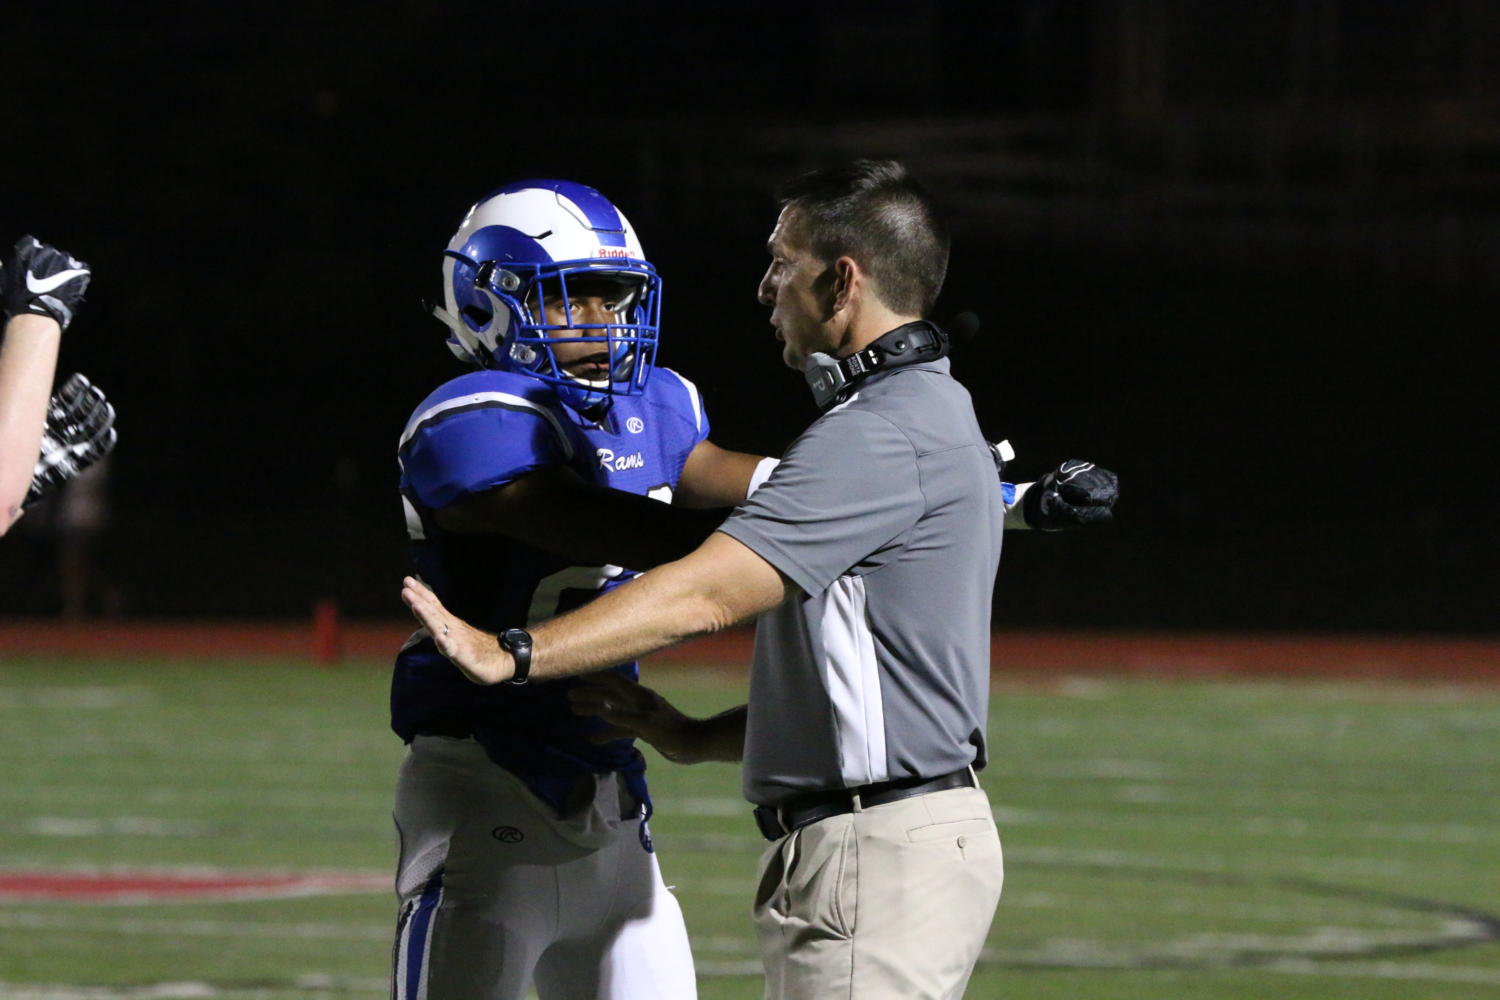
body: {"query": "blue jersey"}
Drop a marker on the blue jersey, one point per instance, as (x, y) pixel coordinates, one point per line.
(481, 431)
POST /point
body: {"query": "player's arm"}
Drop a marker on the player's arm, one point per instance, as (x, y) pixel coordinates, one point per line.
(1075, 493)
(717, 477)
(633, 710)
(555, 509)
(721, 583)
(42, 288)
(28, 359)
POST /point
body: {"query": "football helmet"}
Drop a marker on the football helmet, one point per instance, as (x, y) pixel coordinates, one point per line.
(539, 243)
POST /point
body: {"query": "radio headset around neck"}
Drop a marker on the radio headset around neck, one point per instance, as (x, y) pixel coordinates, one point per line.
(833, 380)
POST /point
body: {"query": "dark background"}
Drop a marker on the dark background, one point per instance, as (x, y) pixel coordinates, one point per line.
(1246, 254)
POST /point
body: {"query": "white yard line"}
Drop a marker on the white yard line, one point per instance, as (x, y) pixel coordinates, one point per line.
(73, 698)
(1219, 910)
(112, 826)
(710, 807)
(715, 969)
(1068, 953)
(1211, 864)
(1298, 827)
(1411, 971)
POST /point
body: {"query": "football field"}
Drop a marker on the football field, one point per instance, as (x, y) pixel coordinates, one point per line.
(192, 829)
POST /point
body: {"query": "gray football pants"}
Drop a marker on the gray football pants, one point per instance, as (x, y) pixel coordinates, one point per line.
(497, 893)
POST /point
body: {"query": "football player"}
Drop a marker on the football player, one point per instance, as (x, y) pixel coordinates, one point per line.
(44, 441)
(528, 484)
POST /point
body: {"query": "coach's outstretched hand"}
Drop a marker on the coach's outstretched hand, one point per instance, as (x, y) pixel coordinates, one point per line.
(80, 431)
(44, 281)
(1076, 493)
(474, 651)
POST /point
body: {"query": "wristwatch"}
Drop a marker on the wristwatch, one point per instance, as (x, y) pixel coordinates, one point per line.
(517, 642)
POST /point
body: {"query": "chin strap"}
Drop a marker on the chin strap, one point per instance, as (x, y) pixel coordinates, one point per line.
(462, 342)
(833, 380)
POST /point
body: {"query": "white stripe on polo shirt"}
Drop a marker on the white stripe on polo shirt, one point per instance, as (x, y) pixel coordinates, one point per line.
(852, 675)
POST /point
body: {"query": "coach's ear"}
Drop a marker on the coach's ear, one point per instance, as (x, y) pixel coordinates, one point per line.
(848, 282)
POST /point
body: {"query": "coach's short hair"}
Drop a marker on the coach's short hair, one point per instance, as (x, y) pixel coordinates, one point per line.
(876, 213)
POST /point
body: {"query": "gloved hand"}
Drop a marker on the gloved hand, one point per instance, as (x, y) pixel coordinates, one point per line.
(45, 281)
(1076, 493)
(80, 431)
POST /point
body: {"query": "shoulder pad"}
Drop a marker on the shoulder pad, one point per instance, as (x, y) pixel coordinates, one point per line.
(480, 431)
(679, 395)
(487, 390)
(491, 381)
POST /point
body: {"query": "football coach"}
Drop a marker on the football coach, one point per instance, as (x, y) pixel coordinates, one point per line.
(869, 557)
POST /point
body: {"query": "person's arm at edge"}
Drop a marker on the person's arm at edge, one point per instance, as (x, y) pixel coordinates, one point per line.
(633, 710)
(718, 738)
(716, 477)
(28, 361)
(721, 583)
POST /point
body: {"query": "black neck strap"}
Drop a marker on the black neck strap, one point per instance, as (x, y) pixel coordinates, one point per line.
(833, 380)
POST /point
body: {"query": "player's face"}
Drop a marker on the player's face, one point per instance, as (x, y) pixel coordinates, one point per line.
(589, 301)
(797, 286)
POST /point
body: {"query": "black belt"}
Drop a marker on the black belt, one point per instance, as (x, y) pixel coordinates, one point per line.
(776, 822)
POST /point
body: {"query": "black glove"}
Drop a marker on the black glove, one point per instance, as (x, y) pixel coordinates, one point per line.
(44, 280)
(80, 431)
(1075, 493)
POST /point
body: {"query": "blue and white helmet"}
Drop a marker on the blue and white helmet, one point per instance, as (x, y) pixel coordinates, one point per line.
(526, 242)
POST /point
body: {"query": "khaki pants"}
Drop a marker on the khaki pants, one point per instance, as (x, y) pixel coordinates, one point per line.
(893, 901)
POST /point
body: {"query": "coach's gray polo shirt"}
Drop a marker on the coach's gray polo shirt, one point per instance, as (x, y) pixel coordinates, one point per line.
(887, 513)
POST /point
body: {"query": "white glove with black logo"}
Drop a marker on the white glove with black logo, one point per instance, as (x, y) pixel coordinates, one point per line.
(80, 431)
(43, 280)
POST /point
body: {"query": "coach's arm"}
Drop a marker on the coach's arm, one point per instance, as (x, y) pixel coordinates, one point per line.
(721, 583)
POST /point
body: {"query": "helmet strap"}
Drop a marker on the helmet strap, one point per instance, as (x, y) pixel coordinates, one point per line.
(463, 340)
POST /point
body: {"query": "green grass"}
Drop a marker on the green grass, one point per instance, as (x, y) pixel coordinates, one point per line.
(1163, 839)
